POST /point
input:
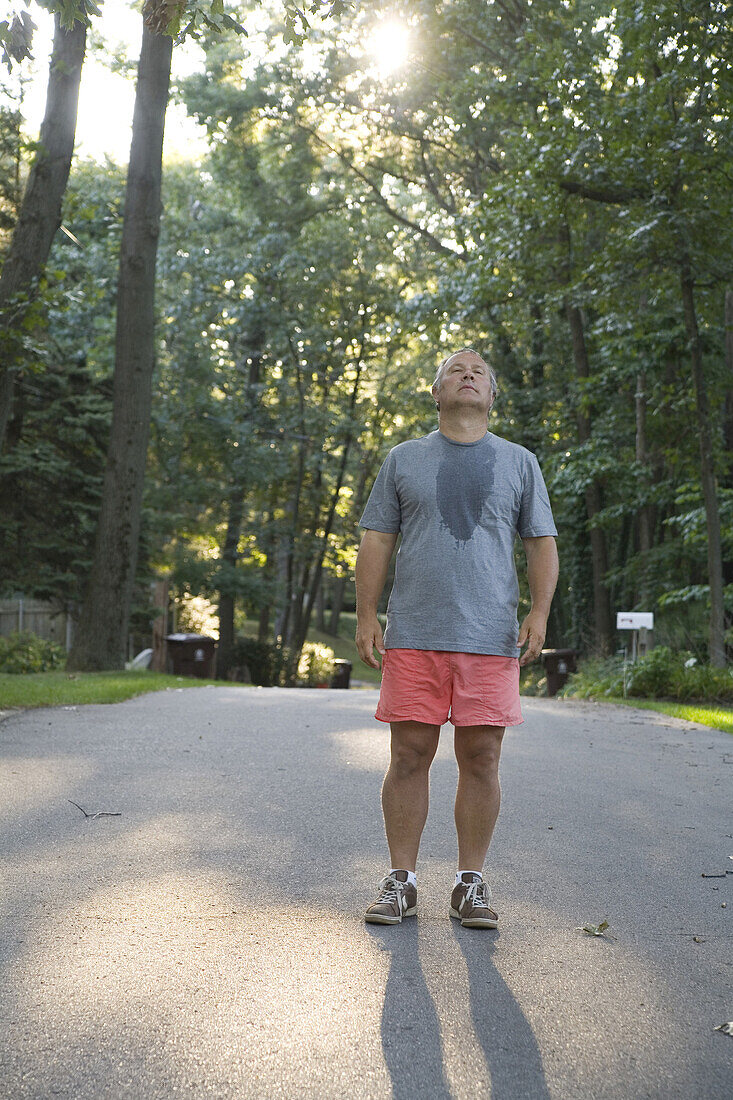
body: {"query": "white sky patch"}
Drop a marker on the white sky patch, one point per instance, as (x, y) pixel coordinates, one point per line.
(106, 100)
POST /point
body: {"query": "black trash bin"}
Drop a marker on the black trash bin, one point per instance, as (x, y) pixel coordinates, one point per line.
(191, 655)
(558, 664)
(341, 676)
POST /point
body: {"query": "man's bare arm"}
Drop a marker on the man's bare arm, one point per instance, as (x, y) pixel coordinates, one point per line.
(542, 572)
(372, 563)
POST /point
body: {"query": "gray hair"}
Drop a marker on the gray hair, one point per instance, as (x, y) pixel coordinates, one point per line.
(441, 370)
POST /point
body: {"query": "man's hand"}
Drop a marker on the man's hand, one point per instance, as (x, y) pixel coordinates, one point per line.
(369, 638)
(532, 631)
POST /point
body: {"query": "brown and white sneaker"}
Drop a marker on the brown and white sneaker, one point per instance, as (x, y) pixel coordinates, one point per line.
(470, 902)
(397, 899)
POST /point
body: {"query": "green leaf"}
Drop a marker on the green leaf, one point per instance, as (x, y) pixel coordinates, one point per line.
(595, 929)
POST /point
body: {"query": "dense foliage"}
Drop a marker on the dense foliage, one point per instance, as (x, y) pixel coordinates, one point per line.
(24, 653)
(549, 183)
(660, 674)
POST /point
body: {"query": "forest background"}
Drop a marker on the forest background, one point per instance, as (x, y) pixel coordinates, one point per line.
(548, 182)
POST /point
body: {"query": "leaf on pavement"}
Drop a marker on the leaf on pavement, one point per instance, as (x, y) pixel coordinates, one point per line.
(727, 1029)
(594, 929)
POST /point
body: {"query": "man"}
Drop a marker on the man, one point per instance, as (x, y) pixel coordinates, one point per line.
(451, 647)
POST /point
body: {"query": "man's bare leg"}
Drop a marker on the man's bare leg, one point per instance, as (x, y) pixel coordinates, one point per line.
(479, 795)
(405, 789)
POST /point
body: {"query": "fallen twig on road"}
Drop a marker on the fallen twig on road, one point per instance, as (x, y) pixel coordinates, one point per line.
(100, 813)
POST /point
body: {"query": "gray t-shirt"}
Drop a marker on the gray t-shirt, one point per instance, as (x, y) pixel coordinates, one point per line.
(459, 507)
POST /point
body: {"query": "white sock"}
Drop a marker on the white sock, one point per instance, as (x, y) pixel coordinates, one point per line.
(411, 876)
(460, 873)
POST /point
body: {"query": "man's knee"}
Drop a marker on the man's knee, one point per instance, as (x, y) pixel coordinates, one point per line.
(478, 749)
(413, 748)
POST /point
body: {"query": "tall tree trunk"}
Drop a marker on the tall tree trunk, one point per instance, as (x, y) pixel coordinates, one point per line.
(728, 421)
(40, 211)
(100, 637)
(230, 554)
(304, 619)
(593, 502)
(338, 589)
(226, 593)
(716, 635)
(321, 605)
(728, 428)
(263, 626)
(645, 514)
(283, 628)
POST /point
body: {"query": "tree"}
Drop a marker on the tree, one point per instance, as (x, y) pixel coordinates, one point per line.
(52, 468)
(514, 121)
(100, 639)
(40, 211)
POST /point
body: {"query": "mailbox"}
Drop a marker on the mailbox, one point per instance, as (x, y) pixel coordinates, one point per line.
(635, 620)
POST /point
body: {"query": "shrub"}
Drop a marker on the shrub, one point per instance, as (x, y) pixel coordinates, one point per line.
(533, 679)
(705, 684)
(596, 677)
(23, 653)
(316, 664)
(656, 674)
(264, 661)
(659, 674)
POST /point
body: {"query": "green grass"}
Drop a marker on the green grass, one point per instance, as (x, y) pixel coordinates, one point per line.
(719, 718)
(60, 688)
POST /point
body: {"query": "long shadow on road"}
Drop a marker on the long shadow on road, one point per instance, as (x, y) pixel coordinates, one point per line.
(411, 1039)
(421, 1054)
(503, 1031)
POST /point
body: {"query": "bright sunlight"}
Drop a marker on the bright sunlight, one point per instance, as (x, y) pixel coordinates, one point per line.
(388, 46)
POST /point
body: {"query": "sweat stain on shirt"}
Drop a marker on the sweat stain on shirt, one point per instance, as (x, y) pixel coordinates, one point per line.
(462, 490)
(458, 508)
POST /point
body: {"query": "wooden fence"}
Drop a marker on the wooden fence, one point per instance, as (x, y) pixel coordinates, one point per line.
(36, 616)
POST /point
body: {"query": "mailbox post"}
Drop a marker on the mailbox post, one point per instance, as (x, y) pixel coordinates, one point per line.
(639, 622)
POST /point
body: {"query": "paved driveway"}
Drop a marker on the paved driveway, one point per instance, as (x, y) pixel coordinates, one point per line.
(209, 941)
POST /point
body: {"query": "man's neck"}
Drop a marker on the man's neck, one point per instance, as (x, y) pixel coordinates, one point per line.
(462, 429)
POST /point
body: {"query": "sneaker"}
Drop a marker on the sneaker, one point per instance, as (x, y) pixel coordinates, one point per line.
(469, 903)
(397, 899)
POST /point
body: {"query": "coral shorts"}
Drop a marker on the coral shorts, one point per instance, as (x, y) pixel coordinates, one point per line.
(431, 686)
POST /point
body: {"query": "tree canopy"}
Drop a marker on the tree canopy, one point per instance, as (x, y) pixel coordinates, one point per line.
(549, 183)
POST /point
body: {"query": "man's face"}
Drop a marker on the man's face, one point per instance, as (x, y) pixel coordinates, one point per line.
(466, 383)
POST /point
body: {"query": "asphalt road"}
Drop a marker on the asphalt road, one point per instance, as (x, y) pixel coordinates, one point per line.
(210, 942)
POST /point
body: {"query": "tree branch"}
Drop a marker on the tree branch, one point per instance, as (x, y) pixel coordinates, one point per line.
(432, 240)
(610, 193)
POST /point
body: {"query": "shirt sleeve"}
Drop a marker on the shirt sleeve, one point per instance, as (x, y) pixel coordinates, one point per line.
(383, 512)
(535, 512)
